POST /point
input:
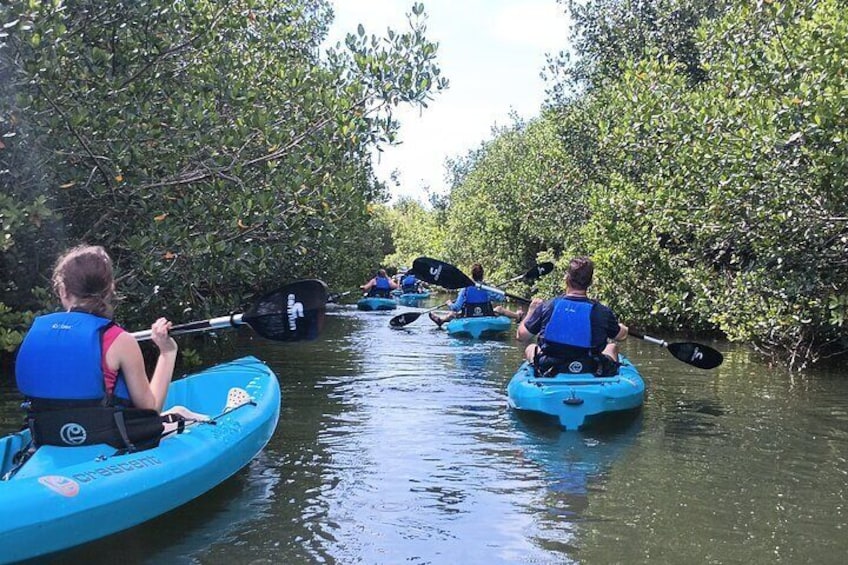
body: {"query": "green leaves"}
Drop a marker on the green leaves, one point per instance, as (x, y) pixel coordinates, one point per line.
(709, 201)
(838, 306)
(219, 119)
(415, 231)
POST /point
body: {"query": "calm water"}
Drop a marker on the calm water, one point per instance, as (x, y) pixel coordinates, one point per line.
(397, 446)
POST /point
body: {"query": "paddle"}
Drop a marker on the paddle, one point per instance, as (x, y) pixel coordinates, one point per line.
(334, 296)
(695, 354)
(444, 274)
(293, 312)
(438, 272)
(450, 275)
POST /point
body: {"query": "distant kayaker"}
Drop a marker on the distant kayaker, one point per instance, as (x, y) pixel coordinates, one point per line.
(575, 332)
(472, 302)
(84, 376)
(380, 286)
(410, 283)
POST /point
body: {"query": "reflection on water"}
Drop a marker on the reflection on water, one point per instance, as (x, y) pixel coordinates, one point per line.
(396, 445)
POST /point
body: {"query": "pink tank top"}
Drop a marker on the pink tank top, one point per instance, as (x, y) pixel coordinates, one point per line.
(110, 377)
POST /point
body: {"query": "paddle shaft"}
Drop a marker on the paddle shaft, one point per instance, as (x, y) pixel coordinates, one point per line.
(417, 314)
(513, 279)
(292, 312)
(536, 272)
(230, 321)
(649, 339)
(334, 297)
(508, 295)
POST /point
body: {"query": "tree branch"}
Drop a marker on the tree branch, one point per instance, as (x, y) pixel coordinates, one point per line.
(169, 52)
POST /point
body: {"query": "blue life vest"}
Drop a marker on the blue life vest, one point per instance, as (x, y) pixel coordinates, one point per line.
(570, 324)
(477, 302)
(59, 370)
(566, 346)
(409, 282)
(60, 359)
(381, 287)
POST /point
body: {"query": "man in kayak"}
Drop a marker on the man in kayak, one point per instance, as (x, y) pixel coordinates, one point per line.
(472, 302)
(84, 377)
(576, 334)
(380, 286)
(410, 283)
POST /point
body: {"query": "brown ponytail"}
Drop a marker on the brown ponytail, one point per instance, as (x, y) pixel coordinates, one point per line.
(85, 272)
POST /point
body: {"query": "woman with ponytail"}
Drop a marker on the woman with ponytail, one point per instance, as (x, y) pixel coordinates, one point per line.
(78, 364)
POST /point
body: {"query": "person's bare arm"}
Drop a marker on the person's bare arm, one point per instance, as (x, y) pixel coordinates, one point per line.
(523, 334)
(125, 355)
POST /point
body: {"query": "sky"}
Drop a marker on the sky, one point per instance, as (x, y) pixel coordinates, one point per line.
(492, 52)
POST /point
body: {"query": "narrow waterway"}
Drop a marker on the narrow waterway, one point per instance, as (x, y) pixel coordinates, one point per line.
(397, 446)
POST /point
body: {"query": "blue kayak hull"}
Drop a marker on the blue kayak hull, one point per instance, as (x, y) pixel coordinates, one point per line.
(66, 496)
(479, 326)
(371, 303)
(577, 400)
(412, 298)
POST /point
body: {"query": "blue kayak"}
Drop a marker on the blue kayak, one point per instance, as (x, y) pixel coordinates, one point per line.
(412, 298)
(577, 400)
(65, 496)
(372, 303)
(479, 326)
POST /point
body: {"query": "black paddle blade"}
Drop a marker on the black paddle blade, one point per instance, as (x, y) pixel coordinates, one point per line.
(294, 312)
(539, 270)
(401, 320)
(438, 272)
(696, 354)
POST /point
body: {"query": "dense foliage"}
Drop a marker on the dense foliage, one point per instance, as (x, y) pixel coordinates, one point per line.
(609, 33)
(415, 231)
(695, 149)
(502, 195)
(210, 146)
(710, 191)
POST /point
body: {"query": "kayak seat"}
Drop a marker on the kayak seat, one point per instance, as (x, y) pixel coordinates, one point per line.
(545, 366)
